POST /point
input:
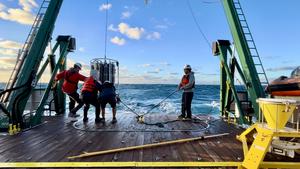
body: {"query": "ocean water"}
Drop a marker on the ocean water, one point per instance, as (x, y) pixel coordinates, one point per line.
(141, 98)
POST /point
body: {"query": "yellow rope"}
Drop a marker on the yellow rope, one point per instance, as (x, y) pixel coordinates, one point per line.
(86, 154)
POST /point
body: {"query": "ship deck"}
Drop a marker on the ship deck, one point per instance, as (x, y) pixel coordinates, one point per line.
(56, 139)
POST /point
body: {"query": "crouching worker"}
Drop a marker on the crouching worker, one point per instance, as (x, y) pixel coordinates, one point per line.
(89, 93)
(108, 95)
(71, 78)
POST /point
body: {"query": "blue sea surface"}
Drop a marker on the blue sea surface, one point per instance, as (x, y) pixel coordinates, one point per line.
(142, 97)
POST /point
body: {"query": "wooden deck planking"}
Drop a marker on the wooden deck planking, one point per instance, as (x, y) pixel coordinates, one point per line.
(56, 140)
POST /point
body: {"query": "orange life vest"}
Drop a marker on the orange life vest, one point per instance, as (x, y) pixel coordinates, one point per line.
(89, 85)
(185, 80)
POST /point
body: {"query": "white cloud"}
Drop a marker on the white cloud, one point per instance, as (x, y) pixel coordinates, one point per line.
(8, 52)
(9, 48)
(155, 65)
(131, 32)
(135, 33)
(118, 41)
(165, 64)
(105, 7)
(153, 36)
(7, 62)
(161, 27)
(162, 24)
(112, 28)
(10, 44)
(2, 7)
(156, 71)
(81, 49)
(283, 68)
(28, 5)
(126, 15)
(173, 73)
(146, 65)
(23, 15)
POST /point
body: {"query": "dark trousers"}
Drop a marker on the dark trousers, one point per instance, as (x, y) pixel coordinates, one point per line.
(186, 104)
(90, 99)
(74, 98)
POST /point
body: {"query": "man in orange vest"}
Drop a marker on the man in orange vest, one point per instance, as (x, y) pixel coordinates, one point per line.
(89, 93)
(187, 84)
(71, 78)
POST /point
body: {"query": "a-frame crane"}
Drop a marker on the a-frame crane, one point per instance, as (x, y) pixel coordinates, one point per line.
(26, 74)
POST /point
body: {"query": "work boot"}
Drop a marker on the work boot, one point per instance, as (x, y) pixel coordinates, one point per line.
(98, 120)
(188, 118)
(85, 119)
(71, 118)
(73, 115)
(114, 120)
(181, 117)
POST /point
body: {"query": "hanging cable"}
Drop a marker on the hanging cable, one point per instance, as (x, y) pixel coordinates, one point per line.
(197, 24)
(105, 36)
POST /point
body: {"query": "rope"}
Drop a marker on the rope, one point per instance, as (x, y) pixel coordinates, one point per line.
(131, 110)
(149, 111)
(105, 36)
(161, 124)
(197, 24)
(140, 117)
(195, 120)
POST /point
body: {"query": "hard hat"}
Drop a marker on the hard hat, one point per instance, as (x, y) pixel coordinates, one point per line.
(78, 65)
(188, 67)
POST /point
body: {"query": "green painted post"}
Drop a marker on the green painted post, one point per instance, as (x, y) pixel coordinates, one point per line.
(253, 83)
(42, 70)
(223, 88)
(54, 89)
(60, 63)
(34, 57)
(223, 49)
(61, 96)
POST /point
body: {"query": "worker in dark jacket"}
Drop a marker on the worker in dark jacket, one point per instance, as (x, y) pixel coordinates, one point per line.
(187, 84)
(89, 93)
(71, 78)
(108, 95)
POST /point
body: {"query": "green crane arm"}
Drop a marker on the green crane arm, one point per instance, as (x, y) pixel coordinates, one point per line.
(19, 98)
(253, 83)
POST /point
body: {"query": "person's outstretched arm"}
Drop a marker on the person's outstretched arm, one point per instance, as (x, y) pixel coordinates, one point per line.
(60, 75)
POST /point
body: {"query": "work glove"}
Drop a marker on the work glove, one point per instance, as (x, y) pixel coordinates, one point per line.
(118, 99)
(54, 84)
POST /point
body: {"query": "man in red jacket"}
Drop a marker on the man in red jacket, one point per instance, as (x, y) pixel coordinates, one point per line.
(71, 78)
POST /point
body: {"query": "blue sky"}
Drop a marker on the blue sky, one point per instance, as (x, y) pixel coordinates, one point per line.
(154, 41)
